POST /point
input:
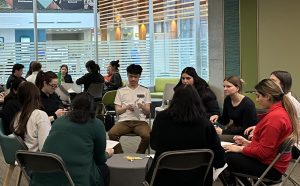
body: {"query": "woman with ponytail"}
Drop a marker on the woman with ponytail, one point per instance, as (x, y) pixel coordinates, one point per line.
(275, 126)
(93, 75)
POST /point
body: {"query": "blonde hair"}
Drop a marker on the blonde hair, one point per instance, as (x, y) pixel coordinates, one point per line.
(267, 87)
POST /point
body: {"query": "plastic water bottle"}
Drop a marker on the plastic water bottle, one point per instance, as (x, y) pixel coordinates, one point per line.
(59, 77)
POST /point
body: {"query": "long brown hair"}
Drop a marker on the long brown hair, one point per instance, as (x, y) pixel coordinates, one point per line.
(267, 87)
(29, 97)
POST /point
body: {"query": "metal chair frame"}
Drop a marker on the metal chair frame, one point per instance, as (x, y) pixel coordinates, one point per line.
(41, 162)
(290, 171)
(285, 147)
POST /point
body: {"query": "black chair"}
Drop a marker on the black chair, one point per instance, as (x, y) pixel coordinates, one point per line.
(285, 147)
(41, 162)
(96, 90)
(183, 160)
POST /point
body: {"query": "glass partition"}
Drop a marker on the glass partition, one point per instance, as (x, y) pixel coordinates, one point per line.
(66, 35)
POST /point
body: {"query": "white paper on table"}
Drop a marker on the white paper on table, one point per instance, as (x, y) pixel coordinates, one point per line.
(226, 143)
(70, 90)
(150, 156)
(111, 143)
(217, 172)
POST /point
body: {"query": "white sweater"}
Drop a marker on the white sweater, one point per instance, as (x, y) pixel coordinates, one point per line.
(38, 127)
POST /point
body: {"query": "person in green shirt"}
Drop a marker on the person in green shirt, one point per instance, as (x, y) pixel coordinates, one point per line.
(79, 139)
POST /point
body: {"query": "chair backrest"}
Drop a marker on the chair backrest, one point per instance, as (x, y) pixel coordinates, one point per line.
(9, 145)
(109, 97)
(285, 147)
(168, 93)
(184, 160)
(41, 162)
(96, 89)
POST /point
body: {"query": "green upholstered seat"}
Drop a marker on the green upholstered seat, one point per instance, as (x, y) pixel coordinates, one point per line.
(159, 86)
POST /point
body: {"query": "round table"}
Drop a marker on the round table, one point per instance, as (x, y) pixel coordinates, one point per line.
(124, 172)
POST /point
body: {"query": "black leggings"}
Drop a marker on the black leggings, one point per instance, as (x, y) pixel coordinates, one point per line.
(240, 163)
(105, 173)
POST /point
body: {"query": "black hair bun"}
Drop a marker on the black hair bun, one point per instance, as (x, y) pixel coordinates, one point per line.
(115, 63)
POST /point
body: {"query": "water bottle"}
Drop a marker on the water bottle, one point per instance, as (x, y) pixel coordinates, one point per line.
(59, 77)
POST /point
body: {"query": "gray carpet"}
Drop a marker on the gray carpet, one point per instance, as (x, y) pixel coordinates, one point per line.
(130, 145)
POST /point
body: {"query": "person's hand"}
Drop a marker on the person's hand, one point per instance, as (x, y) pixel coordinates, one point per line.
(249, 130)
(110, 152)
(241, 140)
(60, 112)
(140, 105)
(3, 94)
(218, 130)
(214, 118)
(233, 148)
(130, 107)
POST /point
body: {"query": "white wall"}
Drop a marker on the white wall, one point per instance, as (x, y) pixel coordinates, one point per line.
(279, 39)
(8, 34)
(47, 20)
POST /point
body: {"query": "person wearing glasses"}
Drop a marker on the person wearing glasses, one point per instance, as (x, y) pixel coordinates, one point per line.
(47, 82)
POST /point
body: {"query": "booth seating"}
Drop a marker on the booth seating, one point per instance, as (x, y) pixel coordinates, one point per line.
(159, 86)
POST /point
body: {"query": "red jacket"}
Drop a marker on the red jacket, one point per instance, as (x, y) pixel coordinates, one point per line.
(273, 128)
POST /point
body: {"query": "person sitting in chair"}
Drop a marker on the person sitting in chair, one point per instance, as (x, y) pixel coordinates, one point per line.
(132, 103)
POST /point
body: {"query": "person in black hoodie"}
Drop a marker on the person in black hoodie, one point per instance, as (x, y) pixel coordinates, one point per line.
(11, 105)
(93, 75)
(189, 76)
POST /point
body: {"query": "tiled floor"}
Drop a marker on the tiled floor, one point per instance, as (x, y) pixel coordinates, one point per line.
(130, 145)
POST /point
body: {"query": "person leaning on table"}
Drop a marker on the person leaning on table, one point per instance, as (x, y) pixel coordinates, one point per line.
(80, 140)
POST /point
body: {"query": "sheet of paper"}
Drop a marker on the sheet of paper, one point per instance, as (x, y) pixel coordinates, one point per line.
(226, 143)
(150, 156)
(111, 143)
(217, 172)
(71, 90)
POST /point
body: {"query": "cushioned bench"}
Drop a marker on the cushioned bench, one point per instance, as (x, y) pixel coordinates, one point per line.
(159, 86)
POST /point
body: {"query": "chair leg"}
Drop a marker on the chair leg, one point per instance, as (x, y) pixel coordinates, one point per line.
(8, 174)
(19, 178)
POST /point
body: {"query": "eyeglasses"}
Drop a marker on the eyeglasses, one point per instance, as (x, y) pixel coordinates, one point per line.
(53, 85)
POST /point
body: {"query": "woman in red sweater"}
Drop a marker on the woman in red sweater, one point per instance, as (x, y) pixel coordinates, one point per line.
(273, 128)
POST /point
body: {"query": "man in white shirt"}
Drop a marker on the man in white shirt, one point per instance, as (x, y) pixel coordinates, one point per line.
(132, 103)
